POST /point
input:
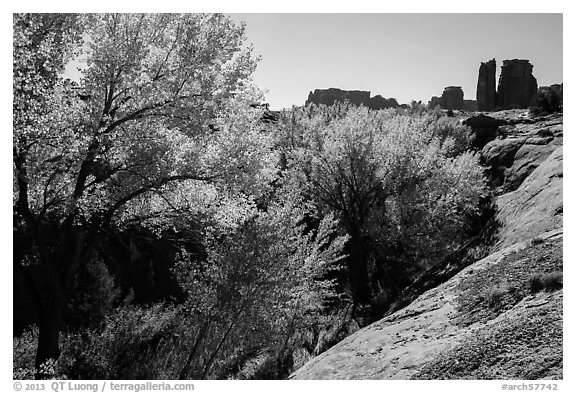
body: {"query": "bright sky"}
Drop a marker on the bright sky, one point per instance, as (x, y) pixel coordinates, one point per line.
(406, 56)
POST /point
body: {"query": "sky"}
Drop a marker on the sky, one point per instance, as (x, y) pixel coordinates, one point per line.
(405, 56)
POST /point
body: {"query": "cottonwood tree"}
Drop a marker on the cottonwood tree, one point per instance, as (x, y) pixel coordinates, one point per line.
(400, 184)
(151, 89)
(262, 283)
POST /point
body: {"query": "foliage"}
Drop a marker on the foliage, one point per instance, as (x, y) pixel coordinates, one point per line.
(24, 348)
(134, 343)
(548, 99)
(402, 185)
(93, 295)
(552, 281)
(277, 233)
(549, 282)
(152, 91)
(261, 283)
(152, 88)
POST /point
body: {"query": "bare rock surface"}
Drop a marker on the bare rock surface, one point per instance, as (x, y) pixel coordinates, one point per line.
(536, 206)
(400, 345)
(522, 144)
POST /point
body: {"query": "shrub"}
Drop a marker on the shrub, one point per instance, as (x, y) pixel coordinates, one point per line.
(546, 282)
(134, 343)
(552, 281)
(535, 283)
(93, 295)
(548, 99)
(23, 353)
(495, 296)
(24, 349)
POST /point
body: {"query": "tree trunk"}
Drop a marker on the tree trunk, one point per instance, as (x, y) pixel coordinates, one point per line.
(358, 268)
(49, 332)
(222, 340)
(59, 272)
(187, 369)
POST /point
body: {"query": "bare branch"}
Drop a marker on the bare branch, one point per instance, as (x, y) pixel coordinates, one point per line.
(153, 185)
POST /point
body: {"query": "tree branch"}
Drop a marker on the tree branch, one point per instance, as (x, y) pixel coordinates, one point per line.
(23, 205)
(149, 187)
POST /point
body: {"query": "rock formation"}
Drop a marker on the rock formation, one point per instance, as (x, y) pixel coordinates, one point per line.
(517, 86)
(330, 96)
(453, 98)
(379, 102)
(434, 102)
(486, 88)
(512, 157)
(470, 105)
(355, 97)
(484, 129)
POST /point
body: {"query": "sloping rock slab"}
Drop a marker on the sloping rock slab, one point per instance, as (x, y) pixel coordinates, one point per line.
(529, 156)
(536, 206)
(400, 345)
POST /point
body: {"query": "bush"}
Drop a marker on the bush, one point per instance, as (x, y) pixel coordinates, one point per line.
(495, 296)
(546, 282)
(548, 99)
(535, 283)
(93, 295)
(552, 281)
(24, 356)
(24, 349)
(136, 343)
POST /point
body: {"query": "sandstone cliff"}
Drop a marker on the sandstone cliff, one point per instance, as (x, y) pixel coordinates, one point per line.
(486, 89)
(355, 97)
(517, 85)
(453, 99)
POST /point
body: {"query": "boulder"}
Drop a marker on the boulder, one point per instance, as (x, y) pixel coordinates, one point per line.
(485, 129)
(517, 86)
(486, 88)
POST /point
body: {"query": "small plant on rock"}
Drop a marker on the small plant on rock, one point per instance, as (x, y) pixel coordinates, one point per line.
(546, 282)
(552, 281)
(495, 296)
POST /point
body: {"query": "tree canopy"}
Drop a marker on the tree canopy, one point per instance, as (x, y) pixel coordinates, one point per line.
(167, 231)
